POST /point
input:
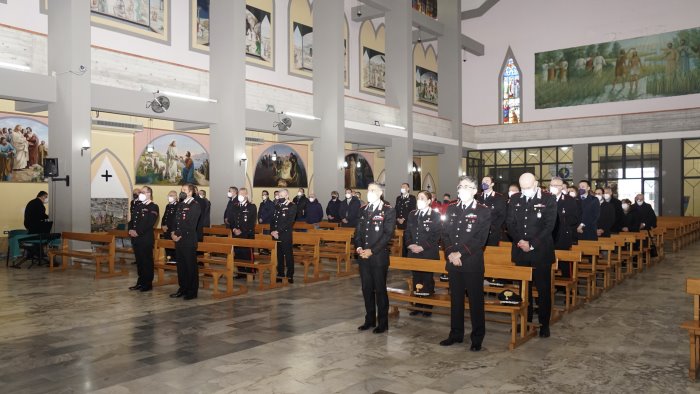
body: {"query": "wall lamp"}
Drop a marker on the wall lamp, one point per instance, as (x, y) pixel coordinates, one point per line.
(243, 160)
(86, 146)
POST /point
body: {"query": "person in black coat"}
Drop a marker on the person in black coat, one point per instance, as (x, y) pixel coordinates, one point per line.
(35, 213)
(134, 202)
(647, 216)
(267, 209)
(464, 235)
(167, 223)
(568, 219)
(374, 229)
(243, 226)
(497, 203)
(203, 210)
(281, 230)
(142, 238)
(206, 208)
(333, 208)
(606, 218)
(531, 220)
(349, 210)
(301, 201)
(590, 211)
(231, 205)
(422, 237)
(405, 204)
(630, 220)
(619, 214)
(185, 236)
(314, 210)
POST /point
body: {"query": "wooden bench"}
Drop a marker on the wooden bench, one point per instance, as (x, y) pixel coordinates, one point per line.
(122, 253)
(99, 256)
(692, 287)
(569, 284)
(517, 313)
(307, 252)
(216, 262)
(589, 269)
(217, 232)
(261, 264)
(337, 245)
(328, 225)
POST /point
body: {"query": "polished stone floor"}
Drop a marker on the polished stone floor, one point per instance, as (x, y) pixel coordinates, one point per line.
(67, 333)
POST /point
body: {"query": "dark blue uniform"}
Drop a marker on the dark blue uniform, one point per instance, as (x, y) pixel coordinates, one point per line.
(568, 219)
(266, 211)
(244, 220)
(404, 206)
(186, 219)
(283, 223)
(144, 217)
(497, 203)
(424, 229)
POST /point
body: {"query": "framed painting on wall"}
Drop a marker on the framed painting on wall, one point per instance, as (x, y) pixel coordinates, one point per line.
(24, 144)
(168, 158)
(372, 59)
(280, 165)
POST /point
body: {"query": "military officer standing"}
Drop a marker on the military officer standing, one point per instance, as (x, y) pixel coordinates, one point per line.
(141, 225)
(568, 219)
(497, 202)
(374, 230)
(422, 235)
(185, 236)
(531, 218)
(167, 224)
(281, 231)
(243, 226)
(231, 205)
(405, 204)
(465, 232)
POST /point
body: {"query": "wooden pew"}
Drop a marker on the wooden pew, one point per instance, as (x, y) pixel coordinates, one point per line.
(589, 269)
(692, 287)
(337, 245)
(121, 252)
(307, 252)
(217, 232)
(517, 313)
(570, 284)
(261, 265)
(262, 228)
(303, 226)
(98, 256)
(396, 243)
(328, 225)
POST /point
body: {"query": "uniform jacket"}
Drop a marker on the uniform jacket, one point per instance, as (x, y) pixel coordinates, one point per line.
(375, 228)
(145, 217)
(231, 206)
(424, 231)
(533, 221)
(497, 202)
(266, 211)
(404, 206)
(568, 219)
(186, 218)
(244, 220)
(466, 230)
(169, 218)
(283, 220)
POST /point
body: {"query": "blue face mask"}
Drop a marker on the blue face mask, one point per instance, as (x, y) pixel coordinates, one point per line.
(484, 186)
(581, 192)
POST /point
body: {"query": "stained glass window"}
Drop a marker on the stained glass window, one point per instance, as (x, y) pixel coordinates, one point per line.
(510, 91)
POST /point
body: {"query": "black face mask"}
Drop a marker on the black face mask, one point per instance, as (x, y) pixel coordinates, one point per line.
(280, 200)
(446, 201)
(334, 198)
(183, 196)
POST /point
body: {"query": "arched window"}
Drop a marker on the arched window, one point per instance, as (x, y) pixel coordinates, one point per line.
(510, 92)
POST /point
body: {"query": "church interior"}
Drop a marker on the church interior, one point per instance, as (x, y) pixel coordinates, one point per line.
(110, 107)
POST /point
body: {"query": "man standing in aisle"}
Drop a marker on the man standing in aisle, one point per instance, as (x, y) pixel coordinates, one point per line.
(333, 208)
(568, 218)
(532, 215)
(465, 232)
(185, 237)
(349, 210)
(141, 232)
(374, 230)
(301, 201)
(405, 204)
(281, 230)
(231, 205)
(646, 213)
(590, 211)
(497, 203)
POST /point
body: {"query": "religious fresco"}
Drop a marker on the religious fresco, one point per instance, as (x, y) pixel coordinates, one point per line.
(280, 165)
(358, 173)
(372, 59)
(24, 144)
(176, 159)
(108, 214)
(425, 91)
(510, 91)
(659, 65)
(199, 24)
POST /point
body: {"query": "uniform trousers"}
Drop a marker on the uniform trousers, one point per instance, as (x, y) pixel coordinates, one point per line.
(542, 279)
(285, 255)
(187, 269)
(471, 284)
(373, 276)
(143, 253)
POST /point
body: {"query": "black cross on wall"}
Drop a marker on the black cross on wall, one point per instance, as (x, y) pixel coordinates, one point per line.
(106, 176)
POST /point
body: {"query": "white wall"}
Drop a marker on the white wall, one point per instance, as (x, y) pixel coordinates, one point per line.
(541, 25)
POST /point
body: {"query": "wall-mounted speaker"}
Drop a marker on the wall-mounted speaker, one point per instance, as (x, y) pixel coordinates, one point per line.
(50, 167)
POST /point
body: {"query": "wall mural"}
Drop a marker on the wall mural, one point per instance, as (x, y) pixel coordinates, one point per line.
(109, 191)
(301, 40)
(660, 65)
(145, 18)
(358, 173)
(259, 30)
(280, 165)
(176, 159)
(24, 144)
(426, 78)
(372, 59)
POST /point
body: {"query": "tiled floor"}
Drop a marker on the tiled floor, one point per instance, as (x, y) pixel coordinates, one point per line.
(66, 332)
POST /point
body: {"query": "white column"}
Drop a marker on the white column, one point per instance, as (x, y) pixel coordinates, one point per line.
(69, 116)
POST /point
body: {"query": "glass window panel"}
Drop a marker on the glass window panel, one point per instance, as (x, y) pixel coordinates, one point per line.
(475, 154)
(691, 148)
(633, 169)
(651, 169)
(628, 188)
(549, 155)
(613, 169)
(651, 193)
(614, 150)
(595, 170)
(517, 156)
(598, 183)
(691, 167)
(691, 197)
(502, 157)
(533, 155)
(651, 149)
(488, 157)
(633, 150)
(510, 93)
(548, 171)
(566, 154)
(597, 151)
(538, 173)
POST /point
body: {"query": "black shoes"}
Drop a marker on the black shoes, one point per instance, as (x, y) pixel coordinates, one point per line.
(427, 314)
(544, 332)
(450, 341)
(190, 297)
(290, 280)
(136, 287)
(145, 289)
(279, 280)
(414, 313)
(177, 295)
(380, 330)
(365, 327)
(475, 348)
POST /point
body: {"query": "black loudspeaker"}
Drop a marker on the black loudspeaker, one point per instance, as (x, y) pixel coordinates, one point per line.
(50, 167)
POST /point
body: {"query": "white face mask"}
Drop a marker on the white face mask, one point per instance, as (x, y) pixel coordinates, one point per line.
(554, 190)
(573, 194)
(510, 194)
(142, 197)
(229, 194)
(625, 206)
(403, 190)
(640, 202)
(599, 197)
(372, 197)
(300, 194)
(312, 199)
(241, 198)
(348, 195)
(529, 193)
(171, 199)
(46, 200)
(465, 196)
(607, 196)
(421, 204)
(265, 197)
(201, 196)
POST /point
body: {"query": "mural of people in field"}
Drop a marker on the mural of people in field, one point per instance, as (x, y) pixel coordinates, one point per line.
(660, 65)
(176, 159)
(280, 165)
(23, 148)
